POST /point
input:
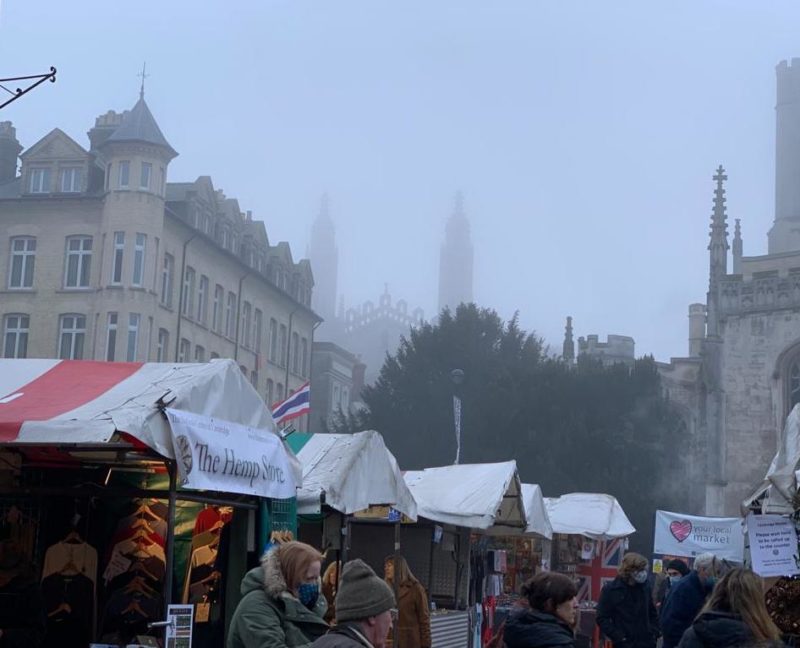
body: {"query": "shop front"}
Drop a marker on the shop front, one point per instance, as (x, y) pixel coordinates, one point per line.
(114, 514)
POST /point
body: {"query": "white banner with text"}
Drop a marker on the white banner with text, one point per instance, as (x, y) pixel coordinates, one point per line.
(218, 455)
(678, 534)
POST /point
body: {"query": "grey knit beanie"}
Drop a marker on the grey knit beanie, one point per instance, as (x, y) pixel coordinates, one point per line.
(361, 593)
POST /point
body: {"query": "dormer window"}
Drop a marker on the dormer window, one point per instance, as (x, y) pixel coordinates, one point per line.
(40, 180)
(71, 180)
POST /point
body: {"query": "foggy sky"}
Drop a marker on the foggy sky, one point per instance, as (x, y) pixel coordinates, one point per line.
(583, 134)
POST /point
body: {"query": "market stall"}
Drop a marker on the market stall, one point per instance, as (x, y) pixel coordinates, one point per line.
(467, 503)
(590, 537)
(89, 492)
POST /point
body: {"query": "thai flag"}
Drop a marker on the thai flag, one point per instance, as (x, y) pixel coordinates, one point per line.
(297, 404)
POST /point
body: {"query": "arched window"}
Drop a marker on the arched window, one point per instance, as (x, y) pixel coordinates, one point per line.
(794, 383)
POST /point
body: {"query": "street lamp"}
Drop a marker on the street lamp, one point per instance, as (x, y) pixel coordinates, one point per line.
(457, 376)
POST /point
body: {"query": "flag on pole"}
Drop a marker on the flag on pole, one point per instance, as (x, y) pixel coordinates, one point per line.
(297, 404)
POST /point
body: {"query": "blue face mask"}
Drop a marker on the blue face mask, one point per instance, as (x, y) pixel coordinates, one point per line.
(308, 593)
(674, 579)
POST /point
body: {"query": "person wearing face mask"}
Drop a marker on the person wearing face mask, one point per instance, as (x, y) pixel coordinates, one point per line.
(281, 605)
(674, 570)
(626, 613)
(551, 617)
(687, 596)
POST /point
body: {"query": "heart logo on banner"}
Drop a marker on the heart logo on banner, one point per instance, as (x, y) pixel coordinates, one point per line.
(680, 529)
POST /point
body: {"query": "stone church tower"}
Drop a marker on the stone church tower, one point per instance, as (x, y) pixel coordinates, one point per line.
(742, 375)
(324, 256)
(455, 261)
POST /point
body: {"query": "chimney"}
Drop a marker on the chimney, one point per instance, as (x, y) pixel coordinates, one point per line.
(10, 149)
(697, 329)
(104, 126)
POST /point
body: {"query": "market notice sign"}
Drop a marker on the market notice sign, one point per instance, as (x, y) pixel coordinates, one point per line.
(773, 545)
(218, 455)
(689, 535)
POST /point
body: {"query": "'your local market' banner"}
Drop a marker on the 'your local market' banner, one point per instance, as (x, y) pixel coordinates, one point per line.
(218, 455)
(689, 535)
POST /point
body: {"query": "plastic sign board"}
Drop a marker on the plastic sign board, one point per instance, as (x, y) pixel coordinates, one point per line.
(218, 455)
(677, 534)
(773, 545)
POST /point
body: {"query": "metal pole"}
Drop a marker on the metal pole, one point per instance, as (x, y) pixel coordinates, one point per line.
(172, 469)
(394, 580)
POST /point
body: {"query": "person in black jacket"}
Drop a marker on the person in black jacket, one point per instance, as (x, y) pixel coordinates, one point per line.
(674, 570)
(22, 616)
(735, 615)
(626, 613)
(687, 596)
(551, 618)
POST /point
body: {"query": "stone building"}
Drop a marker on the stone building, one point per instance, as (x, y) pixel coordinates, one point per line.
(456, 260)
(617, 349)
(338, 378)
(102, 258)
(742, 373)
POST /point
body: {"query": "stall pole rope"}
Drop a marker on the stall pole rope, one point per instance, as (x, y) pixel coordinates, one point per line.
(170, 548)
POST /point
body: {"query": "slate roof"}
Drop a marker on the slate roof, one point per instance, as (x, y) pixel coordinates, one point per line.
(139, 125)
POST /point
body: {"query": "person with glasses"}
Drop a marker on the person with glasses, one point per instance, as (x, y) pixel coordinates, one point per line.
(365, 610)
(687, 597)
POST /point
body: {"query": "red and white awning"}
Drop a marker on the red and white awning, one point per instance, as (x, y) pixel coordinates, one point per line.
(88, 402)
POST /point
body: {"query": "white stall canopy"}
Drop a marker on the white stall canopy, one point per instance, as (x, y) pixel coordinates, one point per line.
(594, 515)
(354, 471)
(475, 496)
(536, 511)
(774, 494)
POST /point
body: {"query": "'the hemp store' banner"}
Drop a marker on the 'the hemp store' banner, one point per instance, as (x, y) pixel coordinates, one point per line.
(678, 534)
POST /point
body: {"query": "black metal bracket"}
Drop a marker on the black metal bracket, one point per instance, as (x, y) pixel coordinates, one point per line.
(34, 79)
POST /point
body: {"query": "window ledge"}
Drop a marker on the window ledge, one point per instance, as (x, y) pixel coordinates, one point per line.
(114, 287)
(164, 306)
(22, 291)
(82, 290)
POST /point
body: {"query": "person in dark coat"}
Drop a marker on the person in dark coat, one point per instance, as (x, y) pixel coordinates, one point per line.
(687, 597)
(22, 612)
(626, 613)
(365, 610)
(735, 615)
(551, 616)
(674, 570)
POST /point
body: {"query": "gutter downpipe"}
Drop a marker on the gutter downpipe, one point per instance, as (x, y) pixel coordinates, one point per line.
(182, 279)
(238, 317)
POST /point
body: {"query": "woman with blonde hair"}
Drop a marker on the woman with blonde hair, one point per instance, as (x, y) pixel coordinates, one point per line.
(330, 585)
(413, 627)
(626, 613)
(281, 606)
(734, 615)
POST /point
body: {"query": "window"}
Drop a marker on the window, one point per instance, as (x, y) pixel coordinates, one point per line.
(40, 180)
(124, 174)
(794, 384)
(138, 259)
(144, 179)
(258, 323)
(202, 299)
(230, 311)
(23, 259)
(216, 315)
(295, 353)
(273, 340)
(247, 325)
(111, 337)
(161, 180)
(72, 335)
(199, 354)
(187, 307)
(79, 262)
(133, 336)
(270, 392)
(71, 178)
(108, 177)
(162, 350)
(166, 280)
(345, 399)
(304, 359)
(336, 401)
(279, 393)
(284, 351)
(15, 336)
(183, 351)
(254, 378)
(119, 252)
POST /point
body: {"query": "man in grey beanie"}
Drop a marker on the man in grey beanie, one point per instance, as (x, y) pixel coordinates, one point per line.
(365, 610)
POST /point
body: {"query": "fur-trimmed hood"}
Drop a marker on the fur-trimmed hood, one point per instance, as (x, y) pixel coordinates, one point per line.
(274, 583)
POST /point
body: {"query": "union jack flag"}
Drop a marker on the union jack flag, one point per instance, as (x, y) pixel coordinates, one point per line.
(602, 568)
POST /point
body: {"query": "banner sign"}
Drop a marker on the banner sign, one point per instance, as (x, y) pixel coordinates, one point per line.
(218, 455)
(689, 535)
(773, 545)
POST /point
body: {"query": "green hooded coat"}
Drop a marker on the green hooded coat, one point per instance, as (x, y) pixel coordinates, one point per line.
(269, 615)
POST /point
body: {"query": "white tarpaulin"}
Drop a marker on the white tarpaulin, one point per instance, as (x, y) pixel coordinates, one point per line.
(213, 454)
(89, 402)
(536, 511)
(475, 496)
(355, 471)
(780, 482)
(594, 515)
(677, 534)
